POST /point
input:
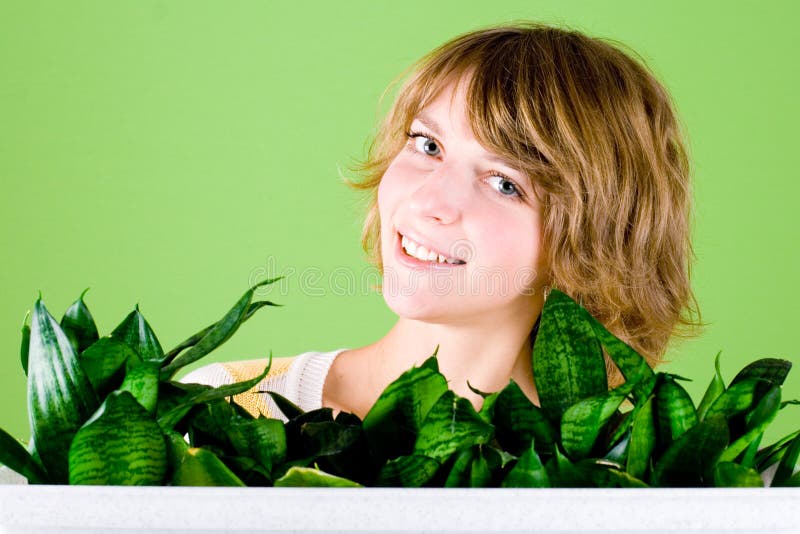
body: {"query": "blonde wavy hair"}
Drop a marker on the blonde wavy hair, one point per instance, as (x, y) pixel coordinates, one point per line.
(598, 137)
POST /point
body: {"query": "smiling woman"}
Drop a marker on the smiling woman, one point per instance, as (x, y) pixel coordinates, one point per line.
(515, 159)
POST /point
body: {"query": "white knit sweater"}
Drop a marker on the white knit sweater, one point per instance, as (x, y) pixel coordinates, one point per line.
(300, 379)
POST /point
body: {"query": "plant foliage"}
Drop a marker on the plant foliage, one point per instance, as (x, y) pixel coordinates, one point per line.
(107, 410)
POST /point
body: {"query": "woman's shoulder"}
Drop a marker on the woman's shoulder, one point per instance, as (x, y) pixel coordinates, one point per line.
(298, 378)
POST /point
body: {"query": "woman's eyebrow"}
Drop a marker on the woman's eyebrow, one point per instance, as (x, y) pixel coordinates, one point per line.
(429, 123)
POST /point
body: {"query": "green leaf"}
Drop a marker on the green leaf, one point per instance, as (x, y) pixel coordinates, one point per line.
(713, 391)
(78, 324)
(568, 363)
(630, 363)
(171, 417)
(262, 439)
(308, 477)
(643, 440)
(772, 370)
(393, 422)
(773, 453)
(529, 472)
(789, 466)
(738, 398)
(193, 340)
(25, 344)
(675, 412)
(690, 459)
(219, 334)
(135, 332)
(104, 363)
(599, 474)
(729, 474)
(193, 466)
(517, 421)
(412, 471)
(287, 407)
(460, 473)
(119, 445)
(451, 424)
(757, 422)
(60, 396)
(582, 422)
(142, 382)
(15, 457)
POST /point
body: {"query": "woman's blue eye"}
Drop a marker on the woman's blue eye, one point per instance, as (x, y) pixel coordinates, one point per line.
(507, 187)
(426, 145)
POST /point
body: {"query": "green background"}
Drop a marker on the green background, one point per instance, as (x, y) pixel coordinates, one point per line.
(172, 153)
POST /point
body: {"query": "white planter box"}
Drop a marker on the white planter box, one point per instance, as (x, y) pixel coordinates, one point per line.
(95, 509)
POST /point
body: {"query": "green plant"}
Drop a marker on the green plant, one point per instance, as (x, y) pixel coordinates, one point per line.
(107, 411)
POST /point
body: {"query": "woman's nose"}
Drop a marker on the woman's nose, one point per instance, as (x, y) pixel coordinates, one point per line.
(438, 196)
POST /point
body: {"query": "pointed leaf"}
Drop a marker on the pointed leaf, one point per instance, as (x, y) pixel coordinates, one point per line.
(119, 445)
(643, 441)
(739, 397)
(713, 391)
(15, 457)
(568, 363)
(25, 344)
(307, 477)
(135, 332)
(218, 335)
(451, 424)
(104, 363)
(757, 422)
(79, 326)
(459, 476)
(773, 370)
(773, 453)
(142, 382)
(789, 466)
(529, 472)
(517, 421)
(60, 396)
(729, 474)
(690, 459)
(194, 466)
(675, 412)
(583, 421)
(393, 422)
(193, 340)
(171, 417)
(287, 407)
(262, 439)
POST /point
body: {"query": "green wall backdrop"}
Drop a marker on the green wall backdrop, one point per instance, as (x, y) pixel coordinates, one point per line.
(170, 153)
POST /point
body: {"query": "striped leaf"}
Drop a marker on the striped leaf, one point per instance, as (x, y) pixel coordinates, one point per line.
(583, 421)
(135, 332)
(60, 396)
(120, 445)
(25, 344)
(105, 362)
(451, 424)
(412, 471)
(142, 382)
(756, 423)
(78, 325)
(643, 441)
(568, 359)
(529, 472)
(689, 461)
(517, 421)
(774, 453)
(393, 422)
(737, 399)
(675, 411)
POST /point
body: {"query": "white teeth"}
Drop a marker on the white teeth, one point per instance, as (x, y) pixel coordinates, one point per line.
(422, 253)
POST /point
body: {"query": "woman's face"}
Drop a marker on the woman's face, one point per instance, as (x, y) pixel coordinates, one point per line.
(447, 192)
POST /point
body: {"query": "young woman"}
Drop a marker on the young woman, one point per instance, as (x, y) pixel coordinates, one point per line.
(514, 159)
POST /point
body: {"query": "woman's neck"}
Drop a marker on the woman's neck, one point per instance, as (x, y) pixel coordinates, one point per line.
(486, 355)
